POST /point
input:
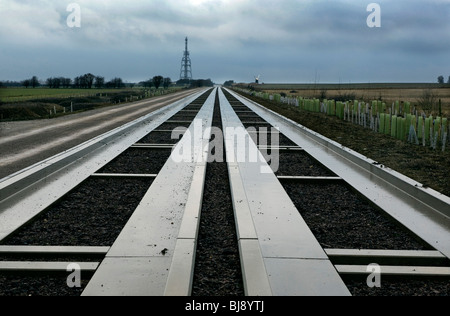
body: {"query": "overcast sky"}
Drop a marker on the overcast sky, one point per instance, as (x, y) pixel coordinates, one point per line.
(282, 40)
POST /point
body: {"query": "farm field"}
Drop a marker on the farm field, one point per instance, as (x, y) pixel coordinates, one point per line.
(11, 95)
(43, 103)
(388, 93)
(427, 166)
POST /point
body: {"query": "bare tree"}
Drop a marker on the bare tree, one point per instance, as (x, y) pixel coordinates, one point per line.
(119, 83)
(167, 82)
(34, 82)
(148, 83)
(157, 81)
(82, 82)
(57, 83)
(49, 83)
(77, 82)
(428, 100)
(66, 82)
(115, 83)
(26, 83)
(99, 82)
(89, 80)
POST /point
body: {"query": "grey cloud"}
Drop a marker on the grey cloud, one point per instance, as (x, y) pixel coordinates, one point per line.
(285, 39)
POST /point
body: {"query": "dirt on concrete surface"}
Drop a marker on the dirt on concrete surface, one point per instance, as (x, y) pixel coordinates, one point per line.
(423, 164)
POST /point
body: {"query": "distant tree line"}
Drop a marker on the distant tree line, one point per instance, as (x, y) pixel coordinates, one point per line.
(33, 82)
(9, 83)
(228, 83)
(202, 83)
(60, 82)
(115, 83)
(157, 81)
(89, 81)
(441, 80)
(195, 83)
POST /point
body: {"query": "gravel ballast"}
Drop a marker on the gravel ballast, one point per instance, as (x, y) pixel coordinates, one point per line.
(21, 285)
(400, 286)
(340, 219)
(300, 164)
(217, 269)
(138, 161)
(93, 214)
(162, 138)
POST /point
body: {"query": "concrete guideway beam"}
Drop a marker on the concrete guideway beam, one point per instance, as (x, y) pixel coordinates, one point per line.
(290, 260)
